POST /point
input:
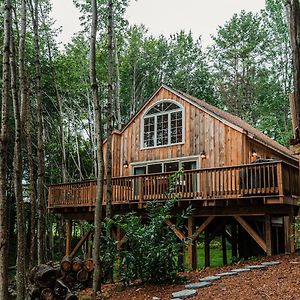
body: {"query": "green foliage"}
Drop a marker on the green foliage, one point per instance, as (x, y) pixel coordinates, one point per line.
(151, 250)
(150, 253)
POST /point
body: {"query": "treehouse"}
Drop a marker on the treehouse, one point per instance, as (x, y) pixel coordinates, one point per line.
(242, 184)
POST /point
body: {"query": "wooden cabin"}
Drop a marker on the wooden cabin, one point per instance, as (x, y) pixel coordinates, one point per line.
(242, 184)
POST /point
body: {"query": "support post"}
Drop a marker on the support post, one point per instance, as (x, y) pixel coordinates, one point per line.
(206, 248)
(234, 252)
(68, 236)
(268, 234)
(118, 237)
(289, 234)
(224, 249)
(192, 248)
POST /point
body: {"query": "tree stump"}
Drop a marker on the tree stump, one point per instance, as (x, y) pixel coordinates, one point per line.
(77, 264)
(66, 264)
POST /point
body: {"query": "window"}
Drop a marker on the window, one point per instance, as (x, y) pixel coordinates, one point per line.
(163, 125)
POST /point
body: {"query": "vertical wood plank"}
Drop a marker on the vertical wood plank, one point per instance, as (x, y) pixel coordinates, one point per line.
(192, 249)
(268, 234)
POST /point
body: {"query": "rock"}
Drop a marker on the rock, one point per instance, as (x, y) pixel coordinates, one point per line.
(155, 298)
(241, 270)
(227, 274)
(253, 267)
(210, 278)
(197, 285)
(184, 294)
(270, 263)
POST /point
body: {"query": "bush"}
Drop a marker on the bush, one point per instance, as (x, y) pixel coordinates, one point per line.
(151, 250)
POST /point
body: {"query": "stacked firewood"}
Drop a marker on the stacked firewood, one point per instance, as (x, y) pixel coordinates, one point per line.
(55, 281)
(46, 285)
(76, 271)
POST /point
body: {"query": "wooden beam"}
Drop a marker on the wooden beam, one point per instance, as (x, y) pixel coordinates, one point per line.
(68, 236)
(122, 241)
(252, 232)
(268, 234)
(289, 234)
(224, 248)
(192, 249)
(80, 243)
(201, 228)
(206, 249)
(234, 252)
(177, 232)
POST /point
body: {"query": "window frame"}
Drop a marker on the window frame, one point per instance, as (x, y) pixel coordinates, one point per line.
(144, 115)
(180, 160)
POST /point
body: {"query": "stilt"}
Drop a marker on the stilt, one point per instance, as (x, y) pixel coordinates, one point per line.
(181, 259)
(118, 237)
(68, 236)
(224, 249)
(192, 248)
(268, 234)
(234, 251)
(206, 248)
(289, 232)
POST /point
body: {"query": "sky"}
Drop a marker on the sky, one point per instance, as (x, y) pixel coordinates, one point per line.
(165, 17)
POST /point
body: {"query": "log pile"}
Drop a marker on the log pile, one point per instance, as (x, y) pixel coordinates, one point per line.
(77, 272)
(55, 281)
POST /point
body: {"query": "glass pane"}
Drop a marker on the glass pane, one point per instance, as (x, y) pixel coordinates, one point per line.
(176, 127)
(149, 132)
(139, 170)
(156, 168)
(162, 130)
(163, 106)
(189, 165)
(171, 167)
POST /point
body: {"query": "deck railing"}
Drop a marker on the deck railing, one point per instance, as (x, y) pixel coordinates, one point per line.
(261, 179)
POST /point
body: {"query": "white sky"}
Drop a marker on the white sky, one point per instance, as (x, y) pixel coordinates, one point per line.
(165, 17)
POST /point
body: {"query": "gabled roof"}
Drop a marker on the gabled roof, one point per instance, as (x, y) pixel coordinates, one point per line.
(225, 117)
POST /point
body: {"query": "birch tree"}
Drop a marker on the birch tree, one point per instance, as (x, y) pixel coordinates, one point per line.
(3, 150)
(41, 204)
(100, 169)
(17, 164)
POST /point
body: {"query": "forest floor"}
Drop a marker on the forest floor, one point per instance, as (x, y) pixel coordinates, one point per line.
(275, 282)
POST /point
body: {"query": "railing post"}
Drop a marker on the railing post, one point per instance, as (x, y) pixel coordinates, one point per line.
(279, 178)
(141, 194)
(90, 196)
(50, 204)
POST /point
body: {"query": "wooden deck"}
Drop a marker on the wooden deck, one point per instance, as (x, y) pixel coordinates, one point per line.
(271, 180)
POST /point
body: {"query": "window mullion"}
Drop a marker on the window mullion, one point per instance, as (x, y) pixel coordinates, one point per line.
(155, 131)
(169, 128)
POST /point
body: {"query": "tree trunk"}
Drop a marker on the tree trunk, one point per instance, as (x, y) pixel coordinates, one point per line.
(32, 191)
(293, 14)
(17, 164)
(109, 112)
(41, 204)
(117, 85)
(3, 150)
(100, 170)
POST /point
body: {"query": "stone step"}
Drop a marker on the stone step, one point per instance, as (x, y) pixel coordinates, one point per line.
(184, 294)
(227, 274)
(253, 267)
(197, 285)
(241, 270)
(210, 278)
(270, 263)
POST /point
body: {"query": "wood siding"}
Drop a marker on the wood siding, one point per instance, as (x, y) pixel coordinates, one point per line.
(221, 143)
(224, 145)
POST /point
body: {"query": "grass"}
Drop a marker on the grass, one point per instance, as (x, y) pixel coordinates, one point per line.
(216, 257)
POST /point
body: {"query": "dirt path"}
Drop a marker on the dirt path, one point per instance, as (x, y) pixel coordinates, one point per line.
(276, 282)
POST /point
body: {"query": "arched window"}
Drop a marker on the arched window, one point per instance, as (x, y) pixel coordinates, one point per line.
(163, 125)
